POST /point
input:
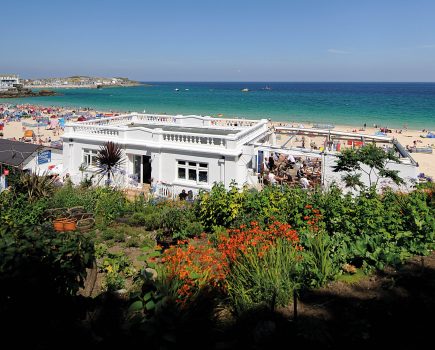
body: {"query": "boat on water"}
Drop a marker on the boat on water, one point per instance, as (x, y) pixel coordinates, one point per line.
(267, 87)
(186, 89)
(176, 89)
(245, 90)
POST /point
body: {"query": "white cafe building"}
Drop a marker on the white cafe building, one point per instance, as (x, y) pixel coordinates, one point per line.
(193, 152)
(177, 152)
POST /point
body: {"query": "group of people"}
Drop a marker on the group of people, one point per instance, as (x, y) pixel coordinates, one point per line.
(278, 169)
(186, 196)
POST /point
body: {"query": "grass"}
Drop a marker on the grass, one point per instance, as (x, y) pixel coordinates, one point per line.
(352, 278)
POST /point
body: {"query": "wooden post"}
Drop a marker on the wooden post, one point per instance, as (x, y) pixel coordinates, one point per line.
(295, 305)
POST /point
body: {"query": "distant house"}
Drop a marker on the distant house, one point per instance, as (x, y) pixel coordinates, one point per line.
(8, 81)
(27, 156)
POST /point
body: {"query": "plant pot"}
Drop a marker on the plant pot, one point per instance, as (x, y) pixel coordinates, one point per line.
(58, 224)
(69, 225)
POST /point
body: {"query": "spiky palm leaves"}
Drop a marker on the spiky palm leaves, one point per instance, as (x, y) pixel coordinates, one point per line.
(34, 187)
(109, 160)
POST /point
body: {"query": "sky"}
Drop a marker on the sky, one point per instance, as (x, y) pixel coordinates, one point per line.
(220, 40)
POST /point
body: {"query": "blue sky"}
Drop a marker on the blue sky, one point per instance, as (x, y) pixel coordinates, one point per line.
(221, 40)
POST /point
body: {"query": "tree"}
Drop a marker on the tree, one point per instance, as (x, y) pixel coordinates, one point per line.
(356, 161)
(109, 160)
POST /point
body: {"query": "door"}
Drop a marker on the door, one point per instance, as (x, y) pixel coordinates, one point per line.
(146, 169)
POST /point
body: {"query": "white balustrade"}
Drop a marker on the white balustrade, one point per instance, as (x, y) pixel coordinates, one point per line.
(134, 126)
(165, 191)
(194, 139)
(95, 130)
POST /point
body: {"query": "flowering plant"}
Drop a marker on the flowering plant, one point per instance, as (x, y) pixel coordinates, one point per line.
(202, 266)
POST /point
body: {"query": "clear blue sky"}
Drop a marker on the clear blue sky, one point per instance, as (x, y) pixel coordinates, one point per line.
(221, 40)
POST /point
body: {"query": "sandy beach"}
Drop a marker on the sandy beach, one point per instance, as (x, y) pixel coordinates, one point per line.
(15, 129)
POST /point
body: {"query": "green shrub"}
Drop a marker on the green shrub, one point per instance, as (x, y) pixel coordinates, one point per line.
(319, 266)
(16, 212)
(68, 196)
(111, 204)
(42, 261)
(150, 221)
(270, 279)
(219, 207)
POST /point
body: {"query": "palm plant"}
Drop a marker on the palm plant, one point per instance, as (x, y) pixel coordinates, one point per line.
(109, 160)
(34, 186)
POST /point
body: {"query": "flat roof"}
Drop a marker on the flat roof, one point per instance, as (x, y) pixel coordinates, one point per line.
(188, 129)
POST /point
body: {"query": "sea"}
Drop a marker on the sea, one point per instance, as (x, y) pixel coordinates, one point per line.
(391, 105)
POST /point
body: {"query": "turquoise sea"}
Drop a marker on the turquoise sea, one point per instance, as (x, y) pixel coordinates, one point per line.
(385, 104)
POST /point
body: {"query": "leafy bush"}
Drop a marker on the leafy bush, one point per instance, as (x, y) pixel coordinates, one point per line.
(117, 267)
(219, 207)
(264, 277)
(43, 261)
(16, 212)
(106, 203)
(318, 265)
(150, 221)
(69, 196)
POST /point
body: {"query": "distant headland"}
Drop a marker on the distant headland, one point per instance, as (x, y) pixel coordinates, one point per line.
(79, 81)
(19, 91)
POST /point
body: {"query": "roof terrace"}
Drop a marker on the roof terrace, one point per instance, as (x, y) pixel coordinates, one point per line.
(166, 130)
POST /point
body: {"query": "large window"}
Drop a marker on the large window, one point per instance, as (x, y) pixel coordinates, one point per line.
(90, 157)
(192, 171)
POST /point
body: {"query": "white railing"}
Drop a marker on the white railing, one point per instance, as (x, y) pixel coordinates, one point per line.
(95, 130)
(118, 120)
(182, 138)
(165, 191)
(233, 122)
(134, 126)
(156, 118)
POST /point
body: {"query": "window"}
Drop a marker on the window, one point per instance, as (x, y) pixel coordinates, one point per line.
(192, 171)
(90, 157)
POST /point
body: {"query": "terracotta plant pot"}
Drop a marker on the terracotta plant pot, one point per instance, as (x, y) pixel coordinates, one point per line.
(58, 224)
(69, 225)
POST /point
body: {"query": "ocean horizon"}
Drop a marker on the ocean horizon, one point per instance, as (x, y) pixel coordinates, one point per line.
(387, 104)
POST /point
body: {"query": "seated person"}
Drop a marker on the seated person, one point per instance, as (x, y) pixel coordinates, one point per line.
(274, 179)
(300, 173)
(291, 159)
(183, 195)
(304, 182)
(190, 196)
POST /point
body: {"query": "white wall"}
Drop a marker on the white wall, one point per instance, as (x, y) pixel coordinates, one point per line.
(164, 164)
(32, 163)
(167, 163)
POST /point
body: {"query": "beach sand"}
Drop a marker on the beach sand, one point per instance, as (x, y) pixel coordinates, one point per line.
(15, 129)
(407, 137)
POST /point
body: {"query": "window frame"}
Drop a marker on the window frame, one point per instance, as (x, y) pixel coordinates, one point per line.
(90, 155)
(188, 166)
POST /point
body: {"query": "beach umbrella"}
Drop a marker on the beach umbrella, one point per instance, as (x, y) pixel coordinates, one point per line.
(81, 119)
